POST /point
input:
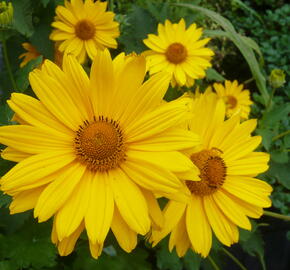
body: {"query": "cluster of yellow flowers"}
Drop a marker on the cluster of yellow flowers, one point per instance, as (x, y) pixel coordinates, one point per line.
(95, 152)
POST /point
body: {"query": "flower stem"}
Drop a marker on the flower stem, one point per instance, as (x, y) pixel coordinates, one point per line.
(234, 259)
(281, 135)
(7, 63)
(214, 265)
(275, 215)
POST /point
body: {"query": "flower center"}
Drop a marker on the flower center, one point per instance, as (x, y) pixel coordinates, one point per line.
(100, 145)
(231, 102)
(212, 172)
(176, 53)
(85, 29)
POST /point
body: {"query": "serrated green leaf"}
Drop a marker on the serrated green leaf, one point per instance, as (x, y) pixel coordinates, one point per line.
(23, 16)
(272, 117)
(22, 74)
(245, 50)
(267, 136)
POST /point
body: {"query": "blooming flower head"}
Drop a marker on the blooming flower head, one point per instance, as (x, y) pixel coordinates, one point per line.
(179, 51)
(92, 151)
(84, 27)
(236, 98)
(31, 53)
(6, 14)
(228, 192)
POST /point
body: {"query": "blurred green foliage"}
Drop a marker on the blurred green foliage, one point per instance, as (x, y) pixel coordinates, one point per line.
(263, 27)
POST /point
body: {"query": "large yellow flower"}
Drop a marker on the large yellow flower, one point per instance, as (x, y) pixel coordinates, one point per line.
(92, 151)
(178, 51)
(84, 27)
(236, 98)
(228, 193)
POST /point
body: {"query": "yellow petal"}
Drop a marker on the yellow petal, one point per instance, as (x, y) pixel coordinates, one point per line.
(101, 208)
(13, 155)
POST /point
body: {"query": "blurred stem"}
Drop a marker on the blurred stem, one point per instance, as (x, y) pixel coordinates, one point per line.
(281, 135)
(234, 259)
(249, 80)
(111, 5)
(270, 101)
(214, 265)
(7, 63)
(275, 215)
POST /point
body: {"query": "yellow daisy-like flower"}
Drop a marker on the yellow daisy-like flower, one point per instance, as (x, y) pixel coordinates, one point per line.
(84, 27)
(228, 192)
(31, 54)
(92, 151)
(178, 51)
(236, 98)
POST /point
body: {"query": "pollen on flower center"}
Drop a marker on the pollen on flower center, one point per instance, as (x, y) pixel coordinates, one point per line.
(176, 53)
(231, 102)
(212, 172)
(100, 145)
(85, 29)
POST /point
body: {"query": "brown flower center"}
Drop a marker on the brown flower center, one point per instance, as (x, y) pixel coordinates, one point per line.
(85, 29)
(212, 172)
(176, 53)
(231, 101)
(100, 144)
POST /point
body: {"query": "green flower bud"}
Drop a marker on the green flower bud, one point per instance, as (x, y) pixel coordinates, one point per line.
(6, 15)
(277, 78)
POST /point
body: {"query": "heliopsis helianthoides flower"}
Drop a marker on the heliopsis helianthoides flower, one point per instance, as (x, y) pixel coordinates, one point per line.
(92, 151)
(31, 53)
(84, 27)
(228, 192)
(236, 98)
(179, 51)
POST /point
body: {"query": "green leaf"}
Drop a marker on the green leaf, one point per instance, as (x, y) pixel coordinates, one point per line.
(167, 260)
(213, 75)
(272, 117)
(280, 172)
(244, 48)
(30, 247)
(5, 115)
(23, 16)
(279, 156)
(45, 2)
(5, 200)
(267, 136)
(22, 74)
(191, 260)
(247, 8)
(287, 141)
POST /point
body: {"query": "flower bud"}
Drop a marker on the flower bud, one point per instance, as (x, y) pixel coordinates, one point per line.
(277, 78)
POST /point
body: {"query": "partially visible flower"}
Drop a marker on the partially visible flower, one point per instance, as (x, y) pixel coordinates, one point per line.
(228, 192)
(277, 78)
(31, 53)
(93, 151)
(83, 27)
(6, 14)
(179, 51)
(236, 98)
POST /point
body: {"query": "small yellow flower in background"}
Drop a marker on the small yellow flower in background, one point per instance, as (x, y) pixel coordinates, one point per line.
(92, 151)
(236, 98)
(277, 78)
(84, 27)
(228, 192)
(31, 53)
(6, 14)
(179, 51)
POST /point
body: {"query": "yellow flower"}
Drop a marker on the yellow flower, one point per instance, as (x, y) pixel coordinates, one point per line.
(228, 192)
(178, 51)
(6, 14)
(93, 151)
(84, 27)
(31, 54)
(236, 98)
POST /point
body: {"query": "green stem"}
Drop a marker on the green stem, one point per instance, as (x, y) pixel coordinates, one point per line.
(281, 135)
(214, 265)
(111, 5)
(275, 215)
(234, 259)
(270, 100)
(8, 66)
(249, 80)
